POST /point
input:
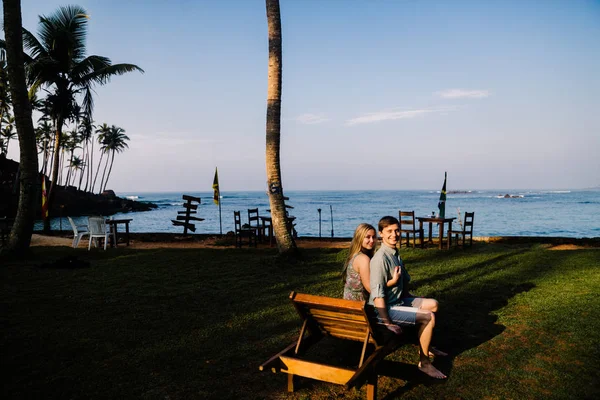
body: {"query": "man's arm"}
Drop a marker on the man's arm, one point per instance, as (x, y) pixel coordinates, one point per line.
(379, 303)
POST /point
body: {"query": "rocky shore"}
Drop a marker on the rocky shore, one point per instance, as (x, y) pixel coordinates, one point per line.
(68, 200)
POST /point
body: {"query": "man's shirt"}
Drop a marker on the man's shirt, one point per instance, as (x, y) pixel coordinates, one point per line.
(382, 268)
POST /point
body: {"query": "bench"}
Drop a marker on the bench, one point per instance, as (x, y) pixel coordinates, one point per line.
(338, 318)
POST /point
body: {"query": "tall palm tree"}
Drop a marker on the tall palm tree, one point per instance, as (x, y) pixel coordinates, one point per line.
(285, 241)
(115, 143)
(103, 131)
(58, 62)
(43, 135)
(70, 145)
(86, 133)
(75, 165)
(20, 235)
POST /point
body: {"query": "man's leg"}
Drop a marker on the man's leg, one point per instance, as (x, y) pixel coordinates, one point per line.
(432, 305)
(426, 321)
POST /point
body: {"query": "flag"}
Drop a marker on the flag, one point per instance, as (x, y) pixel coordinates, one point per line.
(216, 195)
(442, 202)
(44, 199)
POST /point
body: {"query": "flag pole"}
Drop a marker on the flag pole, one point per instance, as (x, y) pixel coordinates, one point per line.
(220, 222)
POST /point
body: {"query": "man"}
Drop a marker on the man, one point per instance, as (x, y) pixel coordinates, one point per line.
(395, 306)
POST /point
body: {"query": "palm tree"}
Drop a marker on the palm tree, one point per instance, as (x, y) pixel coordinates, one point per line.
(59, 63)
(4, 88)
(76, 164)
(115, 143)
(71, 144)
(20, 235)
(86, 133)
(8, 132)
(285, 241)
(103, 131)
(43, 135)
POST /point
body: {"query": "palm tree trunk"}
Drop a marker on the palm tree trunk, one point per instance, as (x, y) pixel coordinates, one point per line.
(103, 173)
(285, 241)
(88, 178)
(112, 159)
(55, 167)
(20, 235)
(97, 171)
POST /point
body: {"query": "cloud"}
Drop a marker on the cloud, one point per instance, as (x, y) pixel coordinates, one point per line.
(311, 119)
(393, 114)
(462, 94)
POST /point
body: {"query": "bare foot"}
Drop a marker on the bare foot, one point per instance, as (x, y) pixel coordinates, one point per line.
(433, 352)
(432, 371)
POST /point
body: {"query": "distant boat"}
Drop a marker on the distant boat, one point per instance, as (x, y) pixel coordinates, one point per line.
(509, 196)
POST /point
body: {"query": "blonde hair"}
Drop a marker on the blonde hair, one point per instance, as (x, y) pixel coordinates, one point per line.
(356, 246)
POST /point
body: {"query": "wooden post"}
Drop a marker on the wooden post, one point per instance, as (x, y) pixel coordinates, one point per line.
(184, 220)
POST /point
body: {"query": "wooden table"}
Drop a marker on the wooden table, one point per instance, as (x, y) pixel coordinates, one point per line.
(113, 226)
(267, 223)
(440, 222)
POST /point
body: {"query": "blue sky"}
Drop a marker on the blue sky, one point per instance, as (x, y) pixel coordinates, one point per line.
(377, 94)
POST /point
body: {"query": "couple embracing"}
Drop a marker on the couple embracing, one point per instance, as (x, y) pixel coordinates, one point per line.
(382, 278)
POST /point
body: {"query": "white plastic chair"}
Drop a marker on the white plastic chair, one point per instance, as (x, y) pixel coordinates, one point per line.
(98, 230)
(79, 231)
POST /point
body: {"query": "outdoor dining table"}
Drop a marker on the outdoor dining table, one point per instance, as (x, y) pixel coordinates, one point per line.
(267, 223)
(431, 220)
(114, 223)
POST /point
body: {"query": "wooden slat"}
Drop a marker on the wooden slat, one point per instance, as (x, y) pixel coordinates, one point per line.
(310, 299)
(187, 212)
(190, 206)
(318, 371)
(333, 314)
(186, 218)
(191, 198)
(191, 227)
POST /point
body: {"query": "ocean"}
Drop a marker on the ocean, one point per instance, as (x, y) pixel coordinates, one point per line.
(558, 213)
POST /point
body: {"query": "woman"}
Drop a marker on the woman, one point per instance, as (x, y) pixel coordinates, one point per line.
(355, 274)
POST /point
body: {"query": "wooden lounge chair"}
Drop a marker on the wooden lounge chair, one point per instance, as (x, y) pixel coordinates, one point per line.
(338, 318)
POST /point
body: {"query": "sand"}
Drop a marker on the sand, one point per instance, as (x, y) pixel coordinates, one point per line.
(180, 242)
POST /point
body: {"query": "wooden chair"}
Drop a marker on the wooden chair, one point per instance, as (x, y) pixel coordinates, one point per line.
(241, 231)
(466, 231)
(342, 319)
(255, 223)
(408, 227)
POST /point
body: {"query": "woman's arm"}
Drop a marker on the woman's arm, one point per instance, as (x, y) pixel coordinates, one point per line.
(361, 265)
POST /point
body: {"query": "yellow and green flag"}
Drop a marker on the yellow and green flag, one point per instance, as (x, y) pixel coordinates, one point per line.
(216, 194)
(442, 202)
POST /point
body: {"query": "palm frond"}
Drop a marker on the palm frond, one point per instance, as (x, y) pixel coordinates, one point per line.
(88, 66)
(103, 75)
(33, 46)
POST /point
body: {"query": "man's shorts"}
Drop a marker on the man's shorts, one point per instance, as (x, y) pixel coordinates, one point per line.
(404, 312)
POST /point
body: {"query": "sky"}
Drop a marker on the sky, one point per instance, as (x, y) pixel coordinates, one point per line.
(377, 94)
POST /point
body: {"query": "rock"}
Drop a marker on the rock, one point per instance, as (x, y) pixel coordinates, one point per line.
(109, 194)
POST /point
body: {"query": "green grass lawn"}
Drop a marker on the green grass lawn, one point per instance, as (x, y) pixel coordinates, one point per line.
(519, 321)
